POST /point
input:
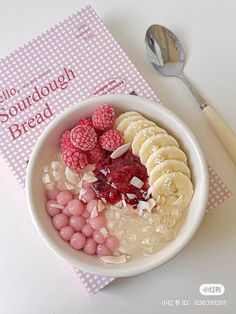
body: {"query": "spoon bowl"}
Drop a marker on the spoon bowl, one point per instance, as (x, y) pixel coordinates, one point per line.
(164, 51)
(166, 54)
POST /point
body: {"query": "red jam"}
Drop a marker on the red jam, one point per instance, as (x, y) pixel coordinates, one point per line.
(114, 176)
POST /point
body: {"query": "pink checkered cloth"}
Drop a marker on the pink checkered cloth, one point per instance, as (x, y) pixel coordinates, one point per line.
(75, 59)
(218, 193)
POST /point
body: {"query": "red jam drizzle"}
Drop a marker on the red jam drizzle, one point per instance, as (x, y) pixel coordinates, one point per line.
(114, 176)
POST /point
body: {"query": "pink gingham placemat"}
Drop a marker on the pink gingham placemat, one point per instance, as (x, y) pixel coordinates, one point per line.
(75, 59)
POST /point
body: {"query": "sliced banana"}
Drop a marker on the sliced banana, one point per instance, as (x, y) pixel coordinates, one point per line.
(152, 144)
(125, 115)
(136, 126)
(168, 166)
(123, 125)
(143, 135)
(174, 190)
(164, 153)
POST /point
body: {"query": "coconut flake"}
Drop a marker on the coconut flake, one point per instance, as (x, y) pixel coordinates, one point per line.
(80, 184)
(152, 203)
(46, 178)
(89, 177)
(101, 206)
(81, 193)
(69, 186)
(143, 205)
(114, 259)
(179, 201)
(71, 176)
(131, 196)
(120, 150)
(149, 192)
(136, 182)
(103, 200)
(94, 212)
(123, 200)
(104, 172)
(104, 232)
(57, 206)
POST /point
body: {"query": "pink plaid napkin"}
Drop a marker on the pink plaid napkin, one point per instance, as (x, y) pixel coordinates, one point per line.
(218, 193)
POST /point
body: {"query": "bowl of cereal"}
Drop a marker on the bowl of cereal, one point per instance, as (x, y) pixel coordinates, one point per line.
(117, 185)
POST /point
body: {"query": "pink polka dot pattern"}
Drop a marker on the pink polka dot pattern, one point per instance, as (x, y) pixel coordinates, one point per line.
(81, 43)
(218, 191)
(93, 283)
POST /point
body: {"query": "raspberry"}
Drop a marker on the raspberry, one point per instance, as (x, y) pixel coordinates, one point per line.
(83, 137)
(103, 117)
(111, 140)
(74, 159)
(86, 121)
(65, 141)
(96, 154)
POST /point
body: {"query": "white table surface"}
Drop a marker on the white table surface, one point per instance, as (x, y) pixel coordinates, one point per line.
(32, 279)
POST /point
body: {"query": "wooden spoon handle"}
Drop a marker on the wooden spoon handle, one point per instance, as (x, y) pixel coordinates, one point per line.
(222, 130)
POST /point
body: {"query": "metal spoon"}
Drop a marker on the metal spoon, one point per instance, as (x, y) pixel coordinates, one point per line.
(165, 52)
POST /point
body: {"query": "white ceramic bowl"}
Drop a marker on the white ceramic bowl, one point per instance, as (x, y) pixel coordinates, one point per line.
(47, 146)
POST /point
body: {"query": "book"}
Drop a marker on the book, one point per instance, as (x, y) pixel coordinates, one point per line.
(75, 59)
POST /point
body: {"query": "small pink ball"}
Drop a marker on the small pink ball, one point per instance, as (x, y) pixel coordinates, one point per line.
(112, 243)
(52, 211)
(98, 237)
(75, 207)
(77, 223)
(88, 195)
(90, 246)
(60, 221)
(52, 194)
(98, 222)
(103, 250)
(77, 241)
(85, 214)
(91, 205)
(87, 230)
(64, 197)
(66, 233)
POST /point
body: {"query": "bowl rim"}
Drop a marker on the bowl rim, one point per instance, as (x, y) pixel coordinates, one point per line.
(150, 263)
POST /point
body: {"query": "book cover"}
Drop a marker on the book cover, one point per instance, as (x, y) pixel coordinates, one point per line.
(76, 59)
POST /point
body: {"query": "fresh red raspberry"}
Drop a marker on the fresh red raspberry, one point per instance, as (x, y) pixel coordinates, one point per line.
(103, 117)
(65, 141)
(86, 121)
(96, 154)
(83, 137)
(111, 140)
(74, 159)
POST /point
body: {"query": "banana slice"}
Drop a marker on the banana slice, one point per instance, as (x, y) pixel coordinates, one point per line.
(163, 153)
(136, 126)
(168, 166)
(174, 190)
(152, 144)
(143, 135)
(125, 115)
(122, 126)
